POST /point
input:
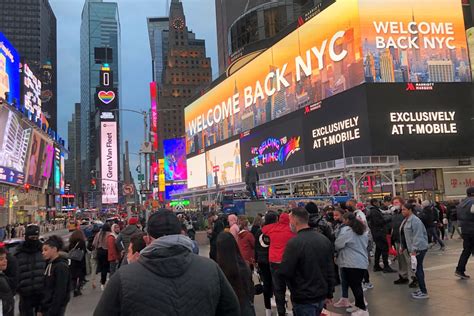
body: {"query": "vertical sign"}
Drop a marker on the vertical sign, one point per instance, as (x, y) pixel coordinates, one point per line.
(154, 114)
(62, 181)
(57, 171)
(109, 162)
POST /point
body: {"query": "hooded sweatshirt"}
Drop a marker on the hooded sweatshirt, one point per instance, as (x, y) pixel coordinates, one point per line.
(234, 228)
(465, 213)
(123, 239)
(279, 234)
(170, 280)
(57, 286)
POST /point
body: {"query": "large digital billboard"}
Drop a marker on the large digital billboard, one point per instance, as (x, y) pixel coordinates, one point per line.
(414, 41)
(57, 169)
(48, 160)
(175, 159)
(9, 70)
(174, 189)
(109, 162)
(196, 171)
(303, 68)
(415, 122)
(38, 160)
(356, 42)
(15, 137)
(224, 162)
(31, 91)
(274, 146)
(337, 126)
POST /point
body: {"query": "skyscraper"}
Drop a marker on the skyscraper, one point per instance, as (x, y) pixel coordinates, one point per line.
(386, 67)
(441, 70)
(184, 70)
(73, 164)
(30, 25)
(100, 29)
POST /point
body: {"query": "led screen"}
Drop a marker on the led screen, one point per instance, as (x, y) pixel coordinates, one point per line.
(9, 70)
(224, 161)
(57, 169)
(31, 91)
(174, 189)
(196, 170)
(175, 159)
(39, 160)
(15, 136)
(109, 162)
(63, 180)
(48, 160)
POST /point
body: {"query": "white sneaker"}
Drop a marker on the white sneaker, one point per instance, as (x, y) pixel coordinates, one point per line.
(273, 302)
(102, 287)
(360, 312)
(352, 309)
(268, 312)
(343, 302)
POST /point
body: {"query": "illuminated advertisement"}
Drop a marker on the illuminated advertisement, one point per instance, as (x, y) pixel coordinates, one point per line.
(15, 137)
(224, 162)
(175, 159)
(31, 91)
(274, 146)
(48, 160)
(9, 70)
(109, 162)
(154, 114)
(62, 184)
(106, 99)
(174, 189)
(421, 124)
(337, 126)
(57, 169)
(414, 41)
(470, 46)
(37, 163)
(357, 42)
(196, 171)
(301, 69)
(161, 175)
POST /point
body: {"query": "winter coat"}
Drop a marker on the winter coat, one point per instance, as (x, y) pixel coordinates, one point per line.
(428, 216)
(321, 225)
(113, 253)
(170, 280)
(465, 214)
(123, 239)
(261, 247)
(31, 267)
(308, 267)
(377, 222)
(78, 268)
(246, 243)
(57, 286)
(397, 220)
(351, 249)
(415, 234)
(279, 234)
(251, 175)
(6, 296)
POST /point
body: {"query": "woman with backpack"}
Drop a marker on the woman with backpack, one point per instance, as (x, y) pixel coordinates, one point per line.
(77, 251)
(100, 245)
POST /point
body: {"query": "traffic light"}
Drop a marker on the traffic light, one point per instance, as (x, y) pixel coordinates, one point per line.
(26, 186)
(93, 184)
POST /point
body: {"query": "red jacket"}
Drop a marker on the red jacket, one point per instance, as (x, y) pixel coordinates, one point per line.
(113, 254)
(279, 234)
(246, 242)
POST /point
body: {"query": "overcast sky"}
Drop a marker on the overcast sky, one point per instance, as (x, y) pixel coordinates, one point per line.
(135, 50)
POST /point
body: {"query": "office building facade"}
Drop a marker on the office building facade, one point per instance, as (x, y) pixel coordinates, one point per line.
(100, 29)
(30, 25)
(73, 164)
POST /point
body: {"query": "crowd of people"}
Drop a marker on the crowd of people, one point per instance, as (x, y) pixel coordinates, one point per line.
(307, 250)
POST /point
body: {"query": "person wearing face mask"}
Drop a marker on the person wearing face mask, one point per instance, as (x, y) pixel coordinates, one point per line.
(308, 267)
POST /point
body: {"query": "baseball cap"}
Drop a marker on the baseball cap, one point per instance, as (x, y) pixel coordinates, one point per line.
(470, 191)
(162, 223)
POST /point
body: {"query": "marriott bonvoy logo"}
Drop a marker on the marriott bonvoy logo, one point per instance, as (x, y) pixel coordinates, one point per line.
(420, 86)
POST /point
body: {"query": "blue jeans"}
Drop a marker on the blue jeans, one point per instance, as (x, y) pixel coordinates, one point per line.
(420, 274)
(433, 231)
(314, 309)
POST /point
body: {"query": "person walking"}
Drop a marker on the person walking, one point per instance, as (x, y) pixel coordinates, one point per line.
(57, 279)
(429, 217)
(307, 266)
(77, 250)
(31, 266)
(262, 243)
(123, 239)
(246, 242)
(278, 234)
(113, 254)
(251, 179)
(218, 226)
(100, 244)
(378, 227)
(93, 255)
(453, 219)
(168, 279)
(414, 238)
(352, 258)
(465, 213)
(236, 271)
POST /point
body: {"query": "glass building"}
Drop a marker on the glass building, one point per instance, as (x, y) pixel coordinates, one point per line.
(157, 33)
(100, 27)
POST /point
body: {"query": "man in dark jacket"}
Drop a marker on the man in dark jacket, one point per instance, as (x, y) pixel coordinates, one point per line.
(31, 267)
(429, 216)
(318, 222)
(123, 239)
(251, 179)
(465, 214)
(307, 266)
(168, 279)
(378, 227)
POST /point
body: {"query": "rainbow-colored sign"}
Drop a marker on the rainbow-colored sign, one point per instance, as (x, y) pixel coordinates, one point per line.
(275, 150)
(106, 97)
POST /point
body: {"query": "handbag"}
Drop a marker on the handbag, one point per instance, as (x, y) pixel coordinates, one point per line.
(76, 254)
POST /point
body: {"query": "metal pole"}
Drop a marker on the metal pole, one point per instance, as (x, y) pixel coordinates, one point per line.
(394, 191)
